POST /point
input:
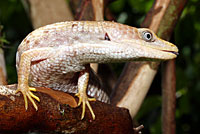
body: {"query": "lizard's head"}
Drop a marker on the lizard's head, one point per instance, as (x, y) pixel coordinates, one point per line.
(149, 46)
(148, 38)
(153, 41)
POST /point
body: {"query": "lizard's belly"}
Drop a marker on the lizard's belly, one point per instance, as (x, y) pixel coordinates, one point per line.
(66, 82)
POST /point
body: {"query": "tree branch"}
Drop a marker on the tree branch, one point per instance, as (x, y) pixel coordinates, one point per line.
(169, 97)
(44, 12)
(53, 115)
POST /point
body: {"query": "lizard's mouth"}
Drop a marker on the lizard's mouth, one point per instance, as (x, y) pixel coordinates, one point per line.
(173, 52)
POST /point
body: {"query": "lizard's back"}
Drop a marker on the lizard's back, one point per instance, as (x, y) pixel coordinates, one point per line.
(70, 32)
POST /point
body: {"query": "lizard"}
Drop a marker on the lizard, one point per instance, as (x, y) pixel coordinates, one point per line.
(57, 56)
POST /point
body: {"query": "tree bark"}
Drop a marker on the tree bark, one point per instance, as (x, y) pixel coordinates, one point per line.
(57, 114)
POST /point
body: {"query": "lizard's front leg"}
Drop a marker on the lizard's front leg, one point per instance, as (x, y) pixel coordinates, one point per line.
(82, 87)
(23, 74)
(24, 70)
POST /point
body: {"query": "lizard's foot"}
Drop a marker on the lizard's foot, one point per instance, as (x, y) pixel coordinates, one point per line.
(27, 93)
(83, 98)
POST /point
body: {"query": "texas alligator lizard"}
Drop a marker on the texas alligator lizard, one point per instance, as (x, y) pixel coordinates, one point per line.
(57, 55)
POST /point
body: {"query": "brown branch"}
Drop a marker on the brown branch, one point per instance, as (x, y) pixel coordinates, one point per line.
(83, 9)
(55, 116)
(168, 75)
(138, 129)
(168, 97)
(43, 12)
(133, 85)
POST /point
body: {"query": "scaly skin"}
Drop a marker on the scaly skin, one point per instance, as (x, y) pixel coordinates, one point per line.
(57, 56)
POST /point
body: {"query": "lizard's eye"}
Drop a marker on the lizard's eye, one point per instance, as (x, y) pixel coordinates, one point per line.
(147, 36)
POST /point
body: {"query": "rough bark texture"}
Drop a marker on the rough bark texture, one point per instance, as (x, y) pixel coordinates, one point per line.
(54, 115)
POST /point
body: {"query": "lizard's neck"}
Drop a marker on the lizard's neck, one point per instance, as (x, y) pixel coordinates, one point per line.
(107, 52)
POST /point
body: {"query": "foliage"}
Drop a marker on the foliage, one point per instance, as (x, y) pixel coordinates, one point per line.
(16, 26)
(187, 35)
(132, 12)
(2, 38)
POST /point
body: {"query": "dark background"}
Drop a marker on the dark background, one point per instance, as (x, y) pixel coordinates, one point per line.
(16, 25)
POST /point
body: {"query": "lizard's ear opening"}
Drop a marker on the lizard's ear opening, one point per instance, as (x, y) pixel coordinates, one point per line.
(107, 37)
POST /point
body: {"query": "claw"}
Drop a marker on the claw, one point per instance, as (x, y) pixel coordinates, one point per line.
(34, 96)
(85, 100)
(25, 101)
(27, 93)
(90, 108)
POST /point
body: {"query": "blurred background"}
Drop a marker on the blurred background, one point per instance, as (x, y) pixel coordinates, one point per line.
(15, 25)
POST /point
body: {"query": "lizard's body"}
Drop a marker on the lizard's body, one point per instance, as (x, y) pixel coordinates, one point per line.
(57, 55)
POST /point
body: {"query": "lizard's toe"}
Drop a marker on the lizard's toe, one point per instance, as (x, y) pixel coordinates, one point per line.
(34, 96)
